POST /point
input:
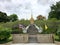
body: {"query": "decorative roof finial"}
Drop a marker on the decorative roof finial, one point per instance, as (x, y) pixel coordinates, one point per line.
(32, 19)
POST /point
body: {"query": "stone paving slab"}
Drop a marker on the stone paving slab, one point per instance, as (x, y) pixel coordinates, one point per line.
(56, 42)
(35, 44)
(10, 43)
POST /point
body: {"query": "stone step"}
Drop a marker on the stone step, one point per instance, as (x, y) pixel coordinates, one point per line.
(32, 39)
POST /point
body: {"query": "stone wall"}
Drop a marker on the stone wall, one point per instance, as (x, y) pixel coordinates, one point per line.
(45, 38)
(24, 38)
(20, 38)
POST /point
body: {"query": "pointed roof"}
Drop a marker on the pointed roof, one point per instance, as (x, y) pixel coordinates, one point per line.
(32, 29)
(32, 19)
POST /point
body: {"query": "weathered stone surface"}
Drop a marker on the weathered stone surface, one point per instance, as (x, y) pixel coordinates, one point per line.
(56, 42)
(32, 39)
(38, 38)
(45, 38)
(20, 38)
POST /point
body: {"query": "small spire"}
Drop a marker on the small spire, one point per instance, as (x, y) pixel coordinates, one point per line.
(32, 19)
(31, 16)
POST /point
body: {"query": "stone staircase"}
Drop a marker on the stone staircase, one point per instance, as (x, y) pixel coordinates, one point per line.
(32, 39)
(32, 31)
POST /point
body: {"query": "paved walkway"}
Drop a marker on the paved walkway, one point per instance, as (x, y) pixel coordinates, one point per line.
(58, 43)
(10, 43)
(34, 44)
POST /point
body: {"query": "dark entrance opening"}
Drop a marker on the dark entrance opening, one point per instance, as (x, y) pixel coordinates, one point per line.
(32, 29)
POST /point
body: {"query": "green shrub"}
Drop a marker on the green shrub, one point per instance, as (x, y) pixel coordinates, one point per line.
(58, 34)
(5, 33)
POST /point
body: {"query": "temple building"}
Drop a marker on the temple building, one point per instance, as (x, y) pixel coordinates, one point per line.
(32, 28)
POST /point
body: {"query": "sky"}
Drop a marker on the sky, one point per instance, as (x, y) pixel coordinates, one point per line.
(24, 8)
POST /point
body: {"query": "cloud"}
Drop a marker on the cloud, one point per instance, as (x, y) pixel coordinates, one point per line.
(5, 0)
(23, 7)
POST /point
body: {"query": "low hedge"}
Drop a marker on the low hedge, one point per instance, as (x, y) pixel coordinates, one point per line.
(5, 34)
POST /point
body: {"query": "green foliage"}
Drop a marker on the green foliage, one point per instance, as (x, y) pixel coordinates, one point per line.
(52, 25)
(58, 32)
(3, 17)
(13, 17)
(56, 37)
(55, 11)
(17, 31)
(12, 24)
(5, 33)
(16, 23)
(41, 23)
(25, 22)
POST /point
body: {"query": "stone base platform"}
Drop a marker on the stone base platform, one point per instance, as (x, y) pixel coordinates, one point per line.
(38, 38)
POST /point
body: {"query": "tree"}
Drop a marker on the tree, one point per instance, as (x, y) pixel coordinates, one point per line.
(3, 17)
(13, 17)
(55, 11)
(40, 17)
(52, 25)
